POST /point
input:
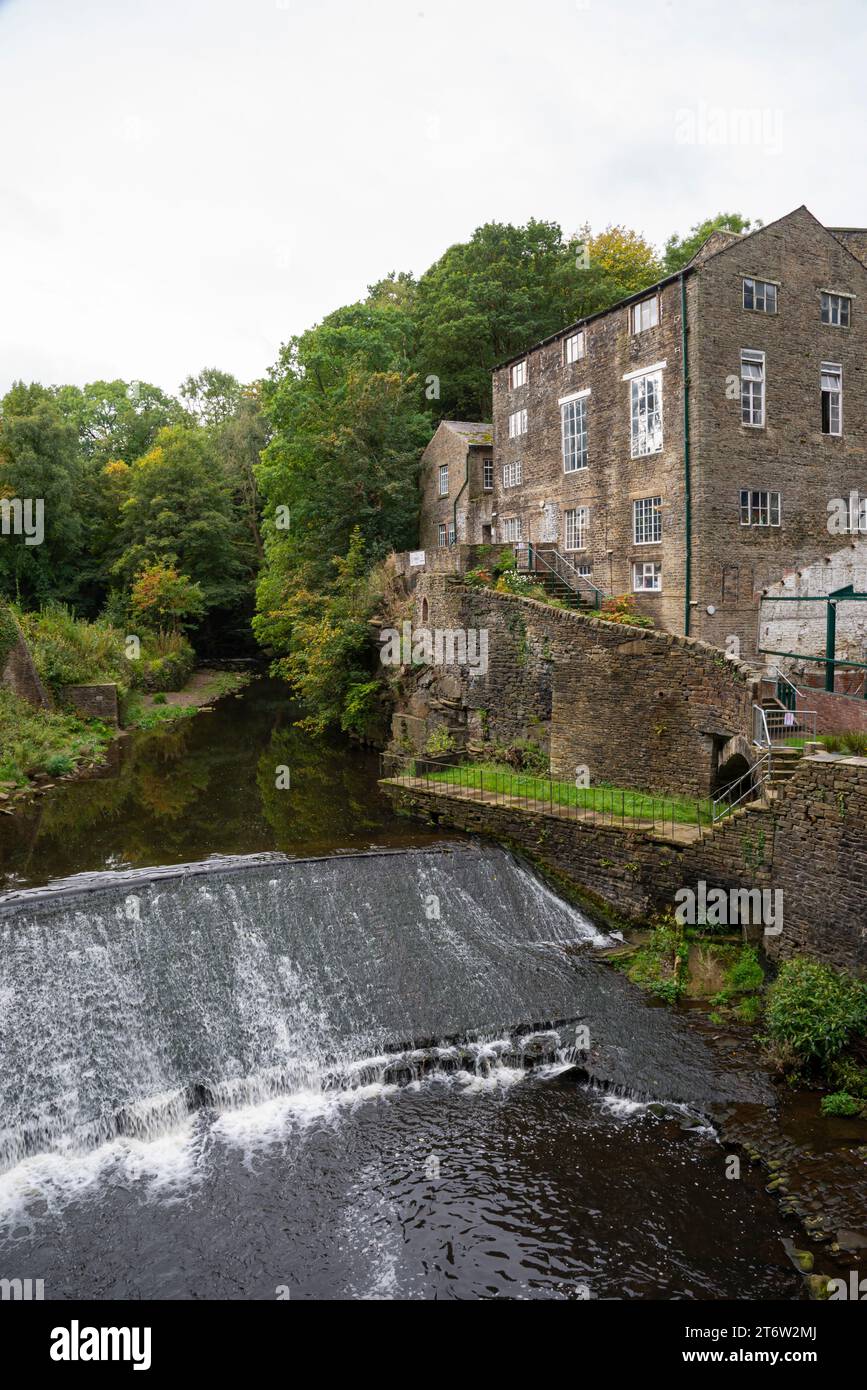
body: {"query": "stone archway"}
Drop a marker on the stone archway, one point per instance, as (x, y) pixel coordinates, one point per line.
(734, 760)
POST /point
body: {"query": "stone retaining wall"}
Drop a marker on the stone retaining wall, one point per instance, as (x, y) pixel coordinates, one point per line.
(812, 846)
(639, 708)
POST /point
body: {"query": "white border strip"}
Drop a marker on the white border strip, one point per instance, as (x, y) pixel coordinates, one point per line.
(644, 371)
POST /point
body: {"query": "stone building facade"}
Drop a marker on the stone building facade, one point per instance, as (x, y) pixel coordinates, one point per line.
(685, 445)
(456, 485)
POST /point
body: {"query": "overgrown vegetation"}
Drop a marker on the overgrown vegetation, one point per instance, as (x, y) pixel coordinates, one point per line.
(37, 741)
(812, 1013)
(67, 650)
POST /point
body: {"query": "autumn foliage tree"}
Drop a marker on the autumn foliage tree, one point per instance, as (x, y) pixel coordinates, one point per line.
(164, 600)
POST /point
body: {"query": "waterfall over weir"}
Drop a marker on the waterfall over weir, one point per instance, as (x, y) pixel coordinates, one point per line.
(129, 999)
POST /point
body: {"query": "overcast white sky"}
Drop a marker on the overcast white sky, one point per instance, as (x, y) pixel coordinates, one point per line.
(188, 182)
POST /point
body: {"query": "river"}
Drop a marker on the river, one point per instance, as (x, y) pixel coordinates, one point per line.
(279, 1043)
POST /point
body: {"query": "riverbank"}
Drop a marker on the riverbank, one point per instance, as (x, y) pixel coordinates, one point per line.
(41, 748)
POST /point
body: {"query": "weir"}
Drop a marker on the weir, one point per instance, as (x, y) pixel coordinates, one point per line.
(129, 999)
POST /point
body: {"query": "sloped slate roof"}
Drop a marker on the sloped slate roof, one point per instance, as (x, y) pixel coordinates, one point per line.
(473, 433)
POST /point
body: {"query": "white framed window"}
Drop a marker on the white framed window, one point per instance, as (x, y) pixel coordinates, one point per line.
(647, 520)
(856, 513)
(760, 296)
(832, 398)
(518, 374)
(836, 309)
(646, 408)
(575, 522)
(646, 577)
(573, 426)
(760, 508)
(512, 529)
(452, 536)
(444, 480)
(441, 534)
(488, 474)
(574, 348)
(513, 473)
(517, 423)
(584, 570)
(645, 314)
(752, 388)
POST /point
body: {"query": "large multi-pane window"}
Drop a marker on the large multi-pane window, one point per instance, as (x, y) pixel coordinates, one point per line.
(836, 309)
(441, 533)
(646, 402)
(575, 521)
(512, 528)
(832, 398)
(752, 387)
(647, 520)
(513, 473)
(452, 536)
(761, 296)
(444, 480)
(573, 419)
(760, 508)
(573, 348)
(488, 474)
(645, 314)
(517, 423)
(856, 513)
(518, 374)
(647, 577)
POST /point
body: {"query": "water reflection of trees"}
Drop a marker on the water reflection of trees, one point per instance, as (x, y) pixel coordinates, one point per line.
(206, 785)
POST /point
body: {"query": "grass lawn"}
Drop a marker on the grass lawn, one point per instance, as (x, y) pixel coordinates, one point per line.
(492, 777)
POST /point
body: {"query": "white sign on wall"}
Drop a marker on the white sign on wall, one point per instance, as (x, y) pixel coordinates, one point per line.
(416, 557)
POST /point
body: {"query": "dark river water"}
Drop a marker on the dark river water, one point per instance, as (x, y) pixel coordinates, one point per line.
(368, 1063)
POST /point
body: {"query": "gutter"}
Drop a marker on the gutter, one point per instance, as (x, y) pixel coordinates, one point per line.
(687, 481)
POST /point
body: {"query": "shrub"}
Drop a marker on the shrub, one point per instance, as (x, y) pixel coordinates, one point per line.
(622, 609)
(440, 742)
(505, 561)
(841, 1103)
(749, 1010)
(833, 742)
(478, 578)
(159, 699)
(746, 975)
(814, 1010)
(660, 965)
(59, 765)
(855, 743)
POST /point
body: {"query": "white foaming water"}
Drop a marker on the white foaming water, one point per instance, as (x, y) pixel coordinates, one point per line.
(234, 987)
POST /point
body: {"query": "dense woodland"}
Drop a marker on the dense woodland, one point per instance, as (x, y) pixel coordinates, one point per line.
(261, 513)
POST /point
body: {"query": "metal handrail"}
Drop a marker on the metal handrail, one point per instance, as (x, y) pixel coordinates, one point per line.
(754, 780)
(789, 701)
(580, 578)
(760, 727)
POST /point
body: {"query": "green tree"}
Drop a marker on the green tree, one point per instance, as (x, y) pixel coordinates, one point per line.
(213, 396)
(679, 250)
(39, 466)
(489, 298)
(179, 512)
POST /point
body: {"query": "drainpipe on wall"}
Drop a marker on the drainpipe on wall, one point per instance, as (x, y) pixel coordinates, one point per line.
(458, 497)
(687, 481)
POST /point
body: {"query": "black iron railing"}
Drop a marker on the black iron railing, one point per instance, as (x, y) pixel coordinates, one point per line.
(678, 816)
